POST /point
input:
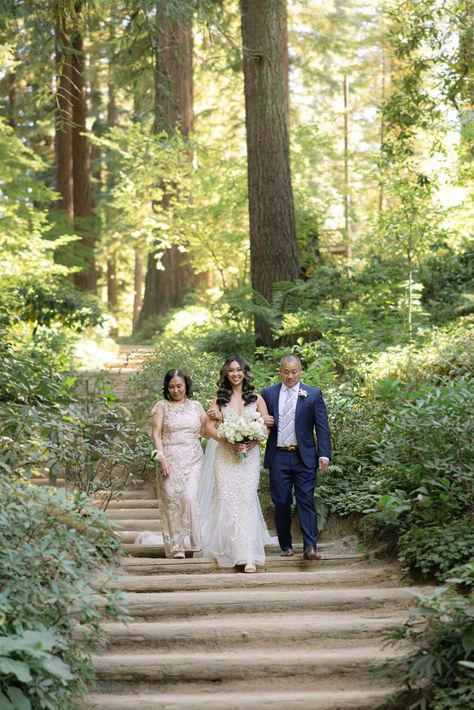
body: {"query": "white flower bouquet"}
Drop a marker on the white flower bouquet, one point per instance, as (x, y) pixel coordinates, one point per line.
(241, 430)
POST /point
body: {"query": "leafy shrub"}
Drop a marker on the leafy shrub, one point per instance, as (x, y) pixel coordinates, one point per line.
(228, 341)
(53, 553)
(43, 304)
(99, 448)
(443, 353)
(147, 385)
(96, 446)
(434, 550)
(31, 375)
(440, 673)
(448, 280)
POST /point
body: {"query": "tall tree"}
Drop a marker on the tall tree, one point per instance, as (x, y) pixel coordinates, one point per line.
(87, 278)
(63, 128)
(165, 289)
(272, 221)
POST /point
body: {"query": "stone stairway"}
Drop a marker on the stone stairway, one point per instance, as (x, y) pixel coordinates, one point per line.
(297, 634)
(114, 375)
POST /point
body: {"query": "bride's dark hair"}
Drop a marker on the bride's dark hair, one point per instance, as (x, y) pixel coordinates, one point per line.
(224, 388)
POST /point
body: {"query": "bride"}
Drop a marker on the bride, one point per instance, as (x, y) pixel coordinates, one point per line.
(233, 529)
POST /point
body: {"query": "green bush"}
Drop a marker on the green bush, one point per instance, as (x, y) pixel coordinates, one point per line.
(439, 674)
(435, 550)
(53, 556)
(58, 302)
(448, 280)
(45, 430)
(402, 455)
(147, 385)
(438, 354)
(227, 342)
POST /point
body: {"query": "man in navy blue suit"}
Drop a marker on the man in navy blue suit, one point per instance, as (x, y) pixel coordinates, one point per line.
(292, 455)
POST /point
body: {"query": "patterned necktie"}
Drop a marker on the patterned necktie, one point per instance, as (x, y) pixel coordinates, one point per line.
(287, 426)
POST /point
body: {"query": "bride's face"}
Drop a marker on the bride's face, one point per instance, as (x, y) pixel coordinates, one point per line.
(177, 389)
(235, 374)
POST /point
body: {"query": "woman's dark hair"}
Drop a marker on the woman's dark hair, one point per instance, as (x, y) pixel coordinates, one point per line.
(224, 388)
(177, 373)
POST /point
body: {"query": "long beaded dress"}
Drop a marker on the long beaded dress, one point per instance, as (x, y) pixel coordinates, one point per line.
(178, 492)
(235, 532)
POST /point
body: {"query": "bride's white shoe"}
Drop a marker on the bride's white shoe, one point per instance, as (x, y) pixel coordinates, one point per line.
(250, 567)
(178, 555)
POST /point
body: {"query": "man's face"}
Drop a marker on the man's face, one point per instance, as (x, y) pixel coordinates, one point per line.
(290, 372)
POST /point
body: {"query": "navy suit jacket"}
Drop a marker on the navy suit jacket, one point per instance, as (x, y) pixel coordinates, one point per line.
(310, 417)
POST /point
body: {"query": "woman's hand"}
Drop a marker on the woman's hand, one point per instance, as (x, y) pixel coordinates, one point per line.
(236, 448)
(251, 445)
(214, 413)
(165, 470)
(268, 420)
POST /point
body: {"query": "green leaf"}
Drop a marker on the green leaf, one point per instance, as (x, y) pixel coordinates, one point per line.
(17, 668)
(19, 699)
(57, 667)
(468, 638)
(5, 704)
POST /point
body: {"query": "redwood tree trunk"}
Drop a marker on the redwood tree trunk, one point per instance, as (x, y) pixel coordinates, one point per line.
(272, 221)
(173, 111)
(138, 286)
(63, 132)
(11, 115)
(112, 291)
(347, 192)
(83, 223)
(466, 72)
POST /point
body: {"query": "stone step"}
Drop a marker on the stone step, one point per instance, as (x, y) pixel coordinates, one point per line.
(136, 494)
(154, 605)
(239, 664)
(313, 629)
(131, 524)
(384, 575)
(137, 514)
(40, 481)
(128, 537)
(356, 698)
(132, 503)
(148, 559)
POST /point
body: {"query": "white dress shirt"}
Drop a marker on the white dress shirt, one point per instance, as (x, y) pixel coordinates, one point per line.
(291, 439)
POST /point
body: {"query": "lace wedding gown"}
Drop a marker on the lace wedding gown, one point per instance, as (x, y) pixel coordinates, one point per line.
(233, 531)
(178, 492)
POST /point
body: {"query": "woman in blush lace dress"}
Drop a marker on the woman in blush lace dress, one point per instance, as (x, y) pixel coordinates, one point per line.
(233, 529)
(177, 424)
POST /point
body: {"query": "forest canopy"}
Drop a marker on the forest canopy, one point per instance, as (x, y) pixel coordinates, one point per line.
(124, 135)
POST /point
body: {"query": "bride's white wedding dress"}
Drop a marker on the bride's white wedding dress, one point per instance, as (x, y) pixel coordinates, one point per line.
(233, 528)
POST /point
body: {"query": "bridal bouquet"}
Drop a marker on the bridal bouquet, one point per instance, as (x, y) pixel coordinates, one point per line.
(241, 430)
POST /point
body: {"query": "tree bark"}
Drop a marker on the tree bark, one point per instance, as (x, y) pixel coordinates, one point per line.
(347, 195)
(466, 73)
(138, 286)
(11, 109)
(112, 290)
(112, 114)
(173, 112)
(87, 278)
(63, 127)
(272, 221)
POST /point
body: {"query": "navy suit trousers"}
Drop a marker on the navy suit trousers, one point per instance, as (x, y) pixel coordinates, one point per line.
(287, 472)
